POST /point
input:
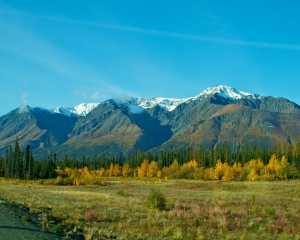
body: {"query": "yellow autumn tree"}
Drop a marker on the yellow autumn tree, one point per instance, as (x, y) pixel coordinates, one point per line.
(255, 163)
(126, 170)
(272, 168)
(159, 173)
(209, 174)
(100, 172)
(252, 176)
(192, 164)
(152, 169)
(273, 164)
(228, 173)
(258, 167)
(111, 170)
(174, 170)
(116, 170)
(199, 173)
(219, 170)
(59, 172)
(142, 170)
(84, 171)
(187, 170)
(238, 171)
(285, 168)
(70, 172)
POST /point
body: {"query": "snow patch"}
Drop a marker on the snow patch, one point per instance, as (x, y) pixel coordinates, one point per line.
(137, 105)
(80, 110)
(227, 92)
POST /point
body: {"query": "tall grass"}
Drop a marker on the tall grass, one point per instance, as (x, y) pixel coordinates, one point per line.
(196, 210)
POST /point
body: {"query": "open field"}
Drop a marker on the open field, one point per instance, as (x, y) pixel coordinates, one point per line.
(194, 210)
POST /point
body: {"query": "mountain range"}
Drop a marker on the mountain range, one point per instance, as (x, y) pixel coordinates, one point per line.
(218, 114)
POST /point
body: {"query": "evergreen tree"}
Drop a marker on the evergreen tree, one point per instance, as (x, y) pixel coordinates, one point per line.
(26, 161)
(2, 167)
(11, 165)
(17, 160)
(30, 166)
(8, 162)
(55, 158)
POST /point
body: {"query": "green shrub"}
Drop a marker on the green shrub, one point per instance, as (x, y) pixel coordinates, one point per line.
(25, 218)
(156, 200)
(57, 229)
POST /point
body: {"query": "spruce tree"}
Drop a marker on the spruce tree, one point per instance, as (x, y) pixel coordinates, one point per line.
(7, 164)
(11, 165)
(2, 167)
(17, 160)
(26, 162)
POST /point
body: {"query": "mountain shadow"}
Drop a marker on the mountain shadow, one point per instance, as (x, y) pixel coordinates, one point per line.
(153, 133)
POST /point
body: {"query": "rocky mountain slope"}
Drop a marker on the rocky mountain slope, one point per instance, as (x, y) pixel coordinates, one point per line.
(117, 126)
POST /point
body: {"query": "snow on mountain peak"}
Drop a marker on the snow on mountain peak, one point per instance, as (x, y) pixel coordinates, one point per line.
(80, 110)
(137, 105)
(227, 92)
(84, 108)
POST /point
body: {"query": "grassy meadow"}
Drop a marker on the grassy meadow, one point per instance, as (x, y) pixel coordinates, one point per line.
(193, 210)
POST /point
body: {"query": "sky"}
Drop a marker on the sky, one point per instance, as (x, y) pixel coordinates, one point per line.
(63, 53)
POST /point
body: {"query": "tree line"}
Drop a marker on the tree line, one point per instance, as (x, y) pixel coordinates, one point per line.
(20, 164)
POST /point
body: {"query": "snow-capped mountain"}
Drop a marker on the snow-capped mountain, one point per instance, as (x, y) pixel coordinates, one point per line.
(137, 105)
(80, 110)
(207, 119)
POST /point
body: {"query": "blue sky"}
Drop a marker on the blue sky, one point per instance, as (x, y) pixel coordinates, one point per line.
(63, 53)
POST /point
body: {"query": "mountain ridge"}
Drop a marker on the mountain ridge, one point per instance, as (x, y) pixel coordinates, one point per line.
(138, 105)
(216, 115)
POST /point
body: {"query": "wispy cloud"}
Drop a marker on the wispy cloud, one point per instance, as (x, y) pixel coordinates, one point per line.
(95, 95)
(199, 38)
(18, 40)
(101, 90)
(24, 100)
(80, 94)
(35, 49)
(281, 46)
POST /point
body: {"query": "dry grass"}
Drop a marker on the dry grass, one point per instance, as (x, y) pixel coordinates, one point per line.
(197, 210)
